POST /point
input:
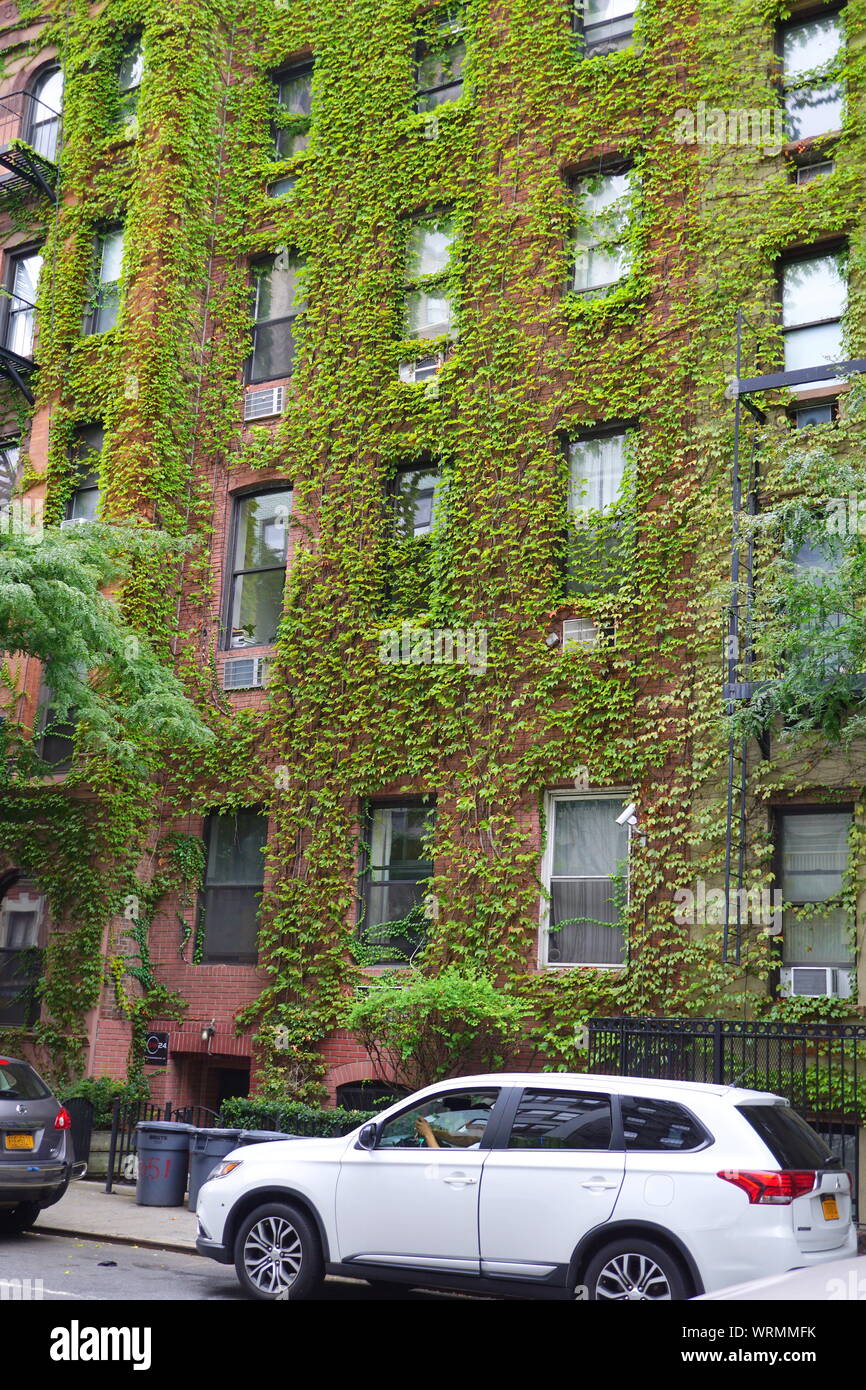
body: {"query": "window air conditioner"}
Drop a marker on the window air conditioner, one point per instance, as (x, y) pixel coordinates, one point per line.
(817, 980)
(260, 405)
(74, 521)
(245, 673)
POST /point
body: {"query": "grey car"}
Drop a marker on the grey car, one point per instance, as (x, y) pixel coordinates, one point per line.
(37, 1160)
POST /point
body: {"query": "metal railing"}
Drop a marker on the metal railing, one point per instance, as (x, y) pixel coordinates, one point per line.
(819, 1067)
(25, 117)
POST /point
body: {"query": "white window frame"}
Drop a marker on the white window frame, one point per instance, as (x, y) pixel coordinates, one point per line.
(550, 799)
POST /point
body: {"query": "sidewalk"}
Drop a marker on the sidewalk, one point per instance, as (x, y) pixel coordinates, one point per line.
(86, 1210)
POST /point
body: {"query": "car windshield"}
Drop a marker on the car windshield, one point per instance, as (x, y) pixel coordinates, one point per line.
(18, 1081)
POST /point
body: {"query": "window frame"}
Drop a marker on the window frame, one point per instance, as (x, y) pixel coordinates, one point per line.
(441, 281)
(290, 319)
(457, 29)
(551, 797)
(422, 465)
(98, 286)
(780, 811)
(78, 455)
(610, 167)
(793, 21)
(127, 107)
(239, 957)
(616, 40)
(14, 255)
(365, 862)
(237, 500)
(299, 124)
(12, 473)
(838, 246)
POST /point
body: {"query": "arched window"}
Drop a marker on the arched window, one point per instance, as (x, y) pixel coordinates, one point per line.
(45, 107)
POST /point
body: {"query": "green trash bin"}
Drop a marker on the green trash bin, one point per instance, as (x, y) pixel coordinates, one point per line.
(163, 1161)
(207, 1147)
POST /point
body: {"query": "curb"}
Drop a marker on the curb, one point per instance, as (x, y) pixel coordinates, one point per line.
(142, 1243)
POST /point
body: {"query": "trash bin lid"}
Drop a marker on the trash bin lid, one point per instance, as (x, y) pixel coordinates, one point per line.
(164, 1126)
(262, 1136)
(219, 1133)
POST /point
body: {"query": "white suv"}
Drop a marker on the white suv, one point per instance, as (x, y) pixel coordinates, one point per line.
(538, 1186)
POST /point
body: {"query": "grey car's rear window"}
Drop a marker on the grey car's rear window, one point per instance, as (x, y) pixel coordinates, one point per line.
(20, 1082)
(792, 1142)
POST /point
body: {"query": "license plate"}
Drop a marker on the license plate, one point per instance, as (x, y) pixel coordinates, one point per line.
(830, 1208)
(19, 1141)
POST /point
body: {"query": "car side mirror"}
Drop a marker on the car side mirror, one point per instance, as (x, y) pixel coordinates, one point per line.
(368, 1137)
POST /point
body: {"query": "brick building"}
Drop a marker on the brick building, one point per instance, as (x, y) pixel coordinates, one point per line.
(420, 320)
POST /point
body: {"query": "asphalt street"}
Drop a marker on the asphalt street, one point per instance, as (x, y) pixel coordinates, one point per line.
(84, 1270)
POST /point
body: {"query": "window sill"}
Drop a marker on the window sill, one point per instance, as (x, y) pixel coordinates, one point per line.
(581, 965)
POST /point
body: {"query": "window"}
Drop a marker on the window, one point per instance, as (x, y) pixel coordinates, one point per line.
(294, 96)
(415, 501)
(586, 851)
(561, 1120)
(22, 280)
(597, 465)
(455, 1120)
(369, 1095)
(602, 253)
(811, 90)
(659, 1126)
(129, 76)
(813, 859)
(427, 304)
(259, 557)
(10, 453)
(792, 1142)
(280, 187)
(104, 305)
(397, 869)
(233, 883)
(56, 745)
(439, 59)
(278, 300)
(44, 109)
(814, 298)
(83, 503)
(808, 415)
(606, 25)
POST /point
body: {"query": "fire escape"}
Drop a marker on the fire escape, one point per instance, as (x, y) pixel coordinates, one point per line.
(29, 145)
(738, 685)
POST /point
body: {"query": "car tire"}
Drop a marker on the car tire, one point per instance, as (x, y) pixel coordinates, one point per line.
(14, 1221)
(635, 1270)
(278, 1254)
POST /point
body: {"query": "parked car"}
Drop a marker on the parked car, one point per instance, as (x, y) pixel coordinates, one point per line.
(36, 1157)
(827, 1283)
(538, 1186)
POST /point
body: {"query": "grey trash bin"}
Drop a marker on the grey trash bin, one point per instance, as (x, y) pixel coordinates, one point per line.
(163, 1160)
(206, 1148)
(263, 1136)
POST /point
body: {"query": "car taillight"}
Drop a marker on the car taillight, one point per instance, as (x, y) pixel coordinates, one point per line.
(63, 1119)
(772, 1189)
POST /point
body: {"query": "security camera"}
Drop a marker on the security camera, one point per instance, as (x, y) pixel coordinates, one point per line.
(629, 815)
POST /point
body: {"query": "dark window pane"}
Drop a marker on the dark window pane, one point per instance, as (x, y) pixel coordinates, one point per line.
(235, 845)
(396, 878)
(257, 606)
(235, 873)
(659, 1125)
(440, 75)
(561, 1120)
(295, 92)
(230, 923)
(792, 1142)
(273, 351)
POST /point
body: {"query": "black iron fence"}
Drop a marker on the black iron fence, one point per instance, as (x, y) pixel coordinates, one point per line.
(819, 1067)
(125, 1117)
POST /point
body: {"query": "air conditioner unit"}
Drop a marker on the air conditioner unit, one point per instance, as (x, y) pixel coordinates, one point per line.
(814, 981)
(422, 369)
(75, 521)
(259, 405)
(583, 632)
(245, 673)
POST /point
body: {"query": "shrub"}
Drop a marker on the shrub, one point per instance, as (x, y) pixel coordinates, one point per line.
(290, 1117)
(421, 1029)
(102, 1091)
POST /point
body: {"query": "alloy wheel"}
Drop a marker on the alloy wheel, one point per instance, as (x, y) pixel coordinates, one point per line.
(632, 1278)
(273, 1254)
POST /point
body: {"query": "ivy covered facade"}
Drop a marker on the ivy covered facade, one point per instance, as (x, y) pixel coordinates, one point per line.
(415, 326)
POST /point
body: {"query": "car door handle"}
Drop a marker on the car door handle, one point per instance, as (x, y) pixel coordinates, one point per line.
(460, 1180)
(599, 1185)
